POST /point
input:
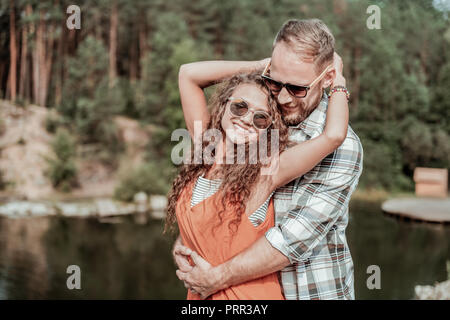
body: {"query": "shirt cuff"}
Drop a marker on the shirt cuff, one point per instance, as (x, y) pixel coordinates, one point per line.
(276, 239)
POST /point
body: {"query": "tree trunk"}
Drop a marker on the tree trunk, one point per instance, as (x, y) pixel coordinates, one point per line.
(36, 53)
(3, 70)
(42, 61)
(40, 48)
(142, 40)
(13, 52)
(47, 65)
(113, 45)
(71, 45)
(134, 60)
(60, 72)
(23, 63)
(23, 83)
(143, 46)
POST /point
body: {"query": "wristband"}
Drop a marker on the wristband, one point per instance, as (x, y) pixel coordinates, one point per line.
(339, 89)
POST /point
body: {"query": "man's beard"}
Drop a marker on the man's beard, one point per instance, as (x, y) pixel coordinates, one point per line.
(294, 119)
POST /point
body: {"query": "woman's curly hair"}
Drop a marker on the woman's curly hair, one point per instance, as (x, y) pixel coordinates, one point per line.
(238, 180)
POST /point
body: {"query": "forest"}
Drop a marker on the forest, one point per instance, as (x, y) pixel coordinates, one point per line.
(125, 57)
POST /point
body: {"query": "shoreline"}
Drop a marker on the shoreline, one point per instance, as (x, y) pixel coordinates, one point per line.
(98, 207)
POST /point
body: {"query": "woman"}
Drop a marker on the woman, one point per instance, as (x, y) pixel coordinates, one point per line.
(221, 208)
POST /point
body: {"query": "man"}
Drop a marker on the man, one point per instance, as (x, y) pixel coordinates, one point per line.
(307, 245)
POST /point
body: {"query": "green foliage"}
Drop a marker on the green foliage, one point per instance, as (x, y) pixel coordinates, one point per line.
(20, 102)
(2, 126)
(399, 110)
(61, 168)
(440, 110)
(148, 178)
(86, 70)
(382, 168)
(3, 183)
(157, 94)
(398, 76)
(53, 122)
(89, 102)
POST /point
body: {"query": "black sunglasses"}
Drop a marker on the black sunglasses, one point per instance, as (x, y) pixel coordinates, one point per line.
(294, 90)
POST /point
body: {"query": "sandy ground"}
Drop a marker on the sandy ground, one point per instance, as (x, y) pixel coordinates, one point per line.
(24, 144)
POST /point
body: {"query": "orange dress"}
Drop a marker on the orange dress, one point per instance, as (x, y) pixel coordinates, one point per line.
(200, 232)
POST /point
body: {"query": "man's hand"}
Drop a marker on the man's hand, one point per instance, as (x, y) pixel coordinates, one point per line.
(203, 279)
(180, 255)
(338, 65)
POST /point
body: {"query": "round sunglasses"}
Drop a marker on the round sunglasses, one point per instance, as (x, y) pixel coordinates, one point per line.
(294, 90)
(240, 108)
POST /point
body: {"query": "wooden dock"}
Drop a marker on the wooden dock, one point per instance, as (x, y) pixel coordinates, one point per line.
(422, 209)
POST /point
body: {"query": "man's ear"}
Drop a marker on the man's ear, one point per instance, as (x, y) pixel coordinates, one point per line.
(328, 78)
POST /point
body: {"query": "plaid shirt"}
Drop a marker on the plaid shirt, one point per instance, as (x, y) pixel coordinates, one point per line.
(311, 217)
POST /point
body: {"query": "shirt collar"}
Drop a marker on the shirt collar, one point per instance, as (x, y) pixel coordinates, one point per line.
(314, 124)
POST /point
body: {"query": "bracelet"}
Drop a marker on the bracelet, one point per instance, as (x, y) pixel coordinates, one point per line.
(339, 89)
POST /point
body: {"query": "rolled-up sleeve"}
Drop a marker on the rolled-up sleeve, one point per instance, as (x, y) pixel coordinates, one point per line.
(320, 198)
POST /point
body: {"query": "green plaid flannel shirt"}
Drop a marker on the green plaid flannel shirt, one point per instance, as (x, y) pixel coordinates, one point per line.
(311, 215)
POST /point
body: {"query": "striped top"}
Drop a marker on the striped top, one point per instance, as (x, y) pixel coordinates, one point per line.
(205, 188)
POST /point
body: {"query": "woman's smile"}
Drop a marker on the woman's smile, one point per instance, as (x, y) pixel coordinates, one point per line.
(241, 128)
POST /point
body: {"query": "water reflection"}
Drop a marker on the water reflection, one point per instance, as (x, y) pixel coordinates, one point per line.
(128, 258)
(23, 265)
(408, 253)
(125, 260)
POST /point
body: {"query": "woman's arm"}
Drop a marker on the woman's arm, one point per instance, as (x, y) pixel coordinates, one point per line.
(194, 77)
(306, 155)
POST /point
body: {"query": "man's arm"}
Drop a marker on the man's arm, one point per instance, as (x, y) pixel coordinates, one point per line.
(236, 270)
(255, 262)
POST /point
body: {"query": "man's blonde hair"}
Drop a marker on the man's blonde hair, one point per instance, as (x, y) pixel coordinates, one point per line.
(310, 38)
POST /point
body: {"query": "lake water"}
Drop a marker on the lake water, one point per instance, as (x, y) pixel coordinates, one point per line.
(129, 258)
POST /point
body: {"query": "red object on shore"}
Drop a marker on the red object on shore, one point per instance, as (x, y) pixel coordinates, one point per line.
(431, 182)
